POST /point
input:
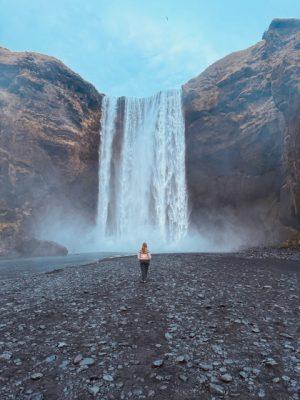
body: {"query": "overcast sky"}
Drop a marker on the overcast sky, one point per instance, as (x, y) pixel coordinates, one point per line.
(137, 47)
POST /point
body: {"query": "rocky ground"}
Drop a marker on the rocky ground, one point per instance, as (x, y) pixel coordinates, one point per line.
(203, 327)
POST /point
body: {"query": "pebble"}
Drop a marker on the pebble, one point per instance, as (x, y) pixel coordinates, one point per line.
(6, 355)
(270, 362)
(51, 358)
(108, 377)
(157, 363)
(226, 378)
(183, 378)
(206, 367)
(87, 361)
(61, 345)
(93, 390)
(181, 359)
(216, 389)
(37, 396)
(243, 374)
(35, 376)
(77, 359)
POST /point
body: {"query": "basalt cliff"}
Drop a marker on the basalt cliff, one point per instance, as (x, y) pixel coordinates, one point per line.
(242, 117)
(243, 135)
(49, 139)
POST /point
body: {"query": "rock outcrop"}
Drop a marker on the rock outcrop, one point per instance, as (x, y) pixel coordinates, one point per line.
(243, 136)
(49, 138)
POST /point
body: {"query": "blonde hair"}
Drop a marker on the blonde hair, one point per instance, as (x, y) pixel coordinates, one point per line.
(144, 248)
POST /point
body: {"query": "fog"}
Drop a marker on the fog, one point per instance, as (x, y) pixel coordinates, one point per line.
(78, 236)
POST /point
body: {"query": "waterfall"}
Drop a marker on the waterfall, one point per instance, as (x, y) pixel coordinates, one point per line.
(142, 185)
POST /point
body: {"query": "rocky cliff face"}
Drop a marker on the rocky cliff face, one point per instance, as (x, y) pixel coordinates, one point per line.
(49, 137)
(243, 136)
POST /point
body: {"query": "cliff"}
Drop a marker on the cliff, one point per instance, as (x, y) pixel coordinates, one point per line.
(242, 133)
(49, 138)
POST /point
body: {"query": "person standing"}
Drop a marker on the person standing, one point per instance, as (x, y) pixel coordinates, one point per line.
(144, 257)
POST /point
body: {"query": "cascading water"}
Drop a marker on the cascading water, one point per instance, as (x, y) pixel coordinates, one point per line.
(142, 185)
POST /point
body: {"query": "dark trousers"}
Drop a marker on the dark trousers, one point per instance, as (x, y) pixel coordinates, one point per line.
(144, 269)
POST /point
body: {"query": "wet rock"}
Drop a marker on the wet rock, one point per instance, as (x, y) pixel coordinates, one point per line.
(36, 376)
(37, 396)
(93, 390)
(61, 345)
(216, 389)
(243, 374)
(181, 359)
(157, 363)
(108, 377)
(7, 355)
(206, 367)
(51, 358)
(183, 378)
(270, 362)
(226, 378)
(77, 359)
(88, 361)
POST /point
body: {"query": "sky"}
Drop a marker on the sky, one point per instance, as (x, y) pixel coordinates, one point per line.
(138, 47)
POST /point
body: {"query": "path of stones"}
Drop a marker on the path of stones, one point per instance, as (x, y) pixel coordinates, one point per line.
(203, 327)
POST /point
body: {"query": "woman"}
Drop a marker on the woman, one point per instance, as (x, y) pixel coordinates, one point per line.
(144, 256)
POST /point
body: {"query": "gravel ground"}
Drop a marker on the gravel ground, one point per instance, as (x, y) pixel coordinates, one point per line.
(205, 326)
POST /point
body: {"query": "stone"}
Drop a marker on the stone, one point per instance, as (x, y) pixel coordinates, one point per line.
(93, 390)
(88, 361)
(36, 376)
(181, 359)
(157, 363)
(243, 374)
(226, 378)
(37, 396)
(77, 359)
(270, 362)
(183, 378)
(206, 367)
(61, 345)
(216, 389)
(51, 358)
(108, 377)
(6, 355)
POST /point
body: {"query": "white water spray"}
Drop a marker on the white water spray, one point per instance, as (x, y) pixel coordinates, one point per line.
(142, 185)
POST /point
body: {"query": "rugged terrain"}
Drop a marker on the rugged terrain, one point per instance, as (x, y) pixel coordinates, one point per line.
(49, 140)
(205, 326)
(243, 136)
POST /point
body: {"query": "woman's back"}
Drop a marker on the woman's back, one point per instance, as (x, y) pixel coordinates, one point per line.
(144, 255)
